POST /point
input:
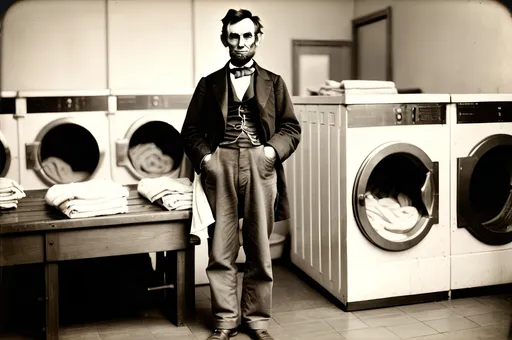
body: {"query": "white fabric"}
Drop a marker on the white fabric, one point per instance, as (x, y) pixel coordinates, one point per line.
(10, 193)
(74, 214)
(156, 188)
(93, 189)
(80, 205)
(367, 84)
(62, 172)
(387, 214)
(202, 215)
(240, 84)
(148, 159)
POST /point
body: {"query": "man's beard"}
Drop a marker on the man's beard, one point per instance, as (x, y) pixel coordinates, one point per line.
(241, 59)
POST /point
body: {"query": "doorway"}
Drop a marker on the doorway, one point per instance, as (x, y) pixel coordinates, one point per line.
(315, 61)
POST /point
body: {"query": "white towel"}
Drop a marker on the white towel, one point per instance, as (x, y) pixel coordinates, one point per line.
(62, 172)
(202, 215)
(150, 160)
(74, 214)
(367, 84)
(10, 193)
(89, 190)
(155, 188)
(81, 205)
(387, 214)
(177, 201)
(9, 204)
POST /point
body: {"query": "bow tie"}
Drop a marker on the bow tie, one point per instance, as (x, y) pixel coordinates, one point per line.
(242, 71)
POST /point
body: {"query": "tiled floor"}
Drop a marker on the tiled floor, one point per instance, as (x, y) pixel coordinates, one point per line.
(299, 312)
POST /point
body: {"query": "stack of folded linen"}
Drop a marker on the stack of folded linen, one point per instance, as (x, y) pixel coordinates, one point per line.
(10, 193)
(171, 193)
(87, 199)
(335, 88)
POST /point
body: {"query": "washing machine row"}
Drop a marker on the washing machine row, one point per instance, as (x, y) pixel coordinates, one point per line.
(74, 136)
(456, 157)
(446, 159)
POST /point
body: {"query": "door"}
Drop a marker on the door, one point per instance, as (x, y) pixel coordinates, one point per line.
(484, 190)
(395, 196)
(315, 61)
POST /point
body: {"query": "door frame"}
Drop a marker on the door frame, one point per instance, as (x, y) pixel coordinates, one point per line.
(296, 44)
(357, 23)
(465, 168)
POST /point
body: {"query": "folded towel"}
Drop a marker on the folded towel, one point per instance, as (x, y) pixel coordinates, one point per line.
(202, 215)
(387, 214)
(149, 160)
(89, 190)
(74, 214)
(11, 204)
(61, 172)
(10, 193)
(81, 205)
(8, 185)
(366, 84)
(156, 188)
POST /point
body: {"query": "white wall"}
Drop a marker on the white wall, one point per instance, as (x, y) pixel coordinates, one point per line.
(152, 44)
(54, 45)
(282, 20)
(449, 45)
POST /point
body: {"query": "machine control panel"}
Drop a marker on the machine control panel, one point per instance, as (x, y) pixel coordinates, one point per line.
(67, 104)
(395, 114)
(484, 112)
(152, 102)
(7, 106)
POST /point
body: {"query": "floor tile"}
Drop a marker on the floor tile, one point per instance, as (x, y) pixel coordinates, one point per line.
(388, 320)
(489, 319)
(412, 330)
(376, 333)
(428, 315)
(451, 324)
(346, 324)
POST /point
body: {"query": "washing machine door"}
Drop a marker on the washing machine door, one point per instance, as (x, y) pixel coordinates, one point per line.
(484, 190)
(5, 156)
(396, 196)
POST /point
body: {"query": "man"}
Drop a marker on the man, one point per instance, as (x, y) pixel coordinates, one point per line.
(239, 129)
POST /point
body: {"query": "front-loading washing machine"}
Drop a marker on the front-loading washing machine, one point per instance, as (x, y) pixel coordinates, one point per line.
(481, 191)
(145, 130)
(369, 188)
(145, 142)
(9, 155)
(63, 136)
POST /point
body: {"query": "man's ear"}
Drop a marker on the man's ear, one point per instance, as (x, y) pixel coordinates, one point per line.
(259, 38)
(224, 42)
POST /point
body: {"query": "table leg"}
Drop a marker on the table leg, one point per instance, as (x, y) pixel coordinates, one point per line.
(52, 300)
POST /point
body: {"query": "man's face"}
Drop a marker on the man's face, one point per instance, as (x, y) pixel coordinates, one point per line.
(241, 41)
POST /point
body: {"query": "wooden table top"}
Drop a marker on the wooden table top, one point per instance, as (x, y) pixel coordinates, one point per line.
(34, 214)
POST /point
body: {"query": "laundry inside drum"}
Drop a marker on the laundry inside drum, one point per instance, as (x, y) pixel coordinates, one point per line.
(69, 153)
(393, 199)
(155, 149)
(490, 189)
(3, 159)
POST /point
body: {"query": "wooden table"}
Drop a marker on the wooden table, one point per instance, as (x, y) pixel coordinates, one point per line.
(38, 233)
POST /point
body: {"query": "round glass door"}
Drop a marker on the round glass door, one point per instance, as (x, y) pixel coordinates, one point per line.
(395, 196)
(5, 156)
(484, 190)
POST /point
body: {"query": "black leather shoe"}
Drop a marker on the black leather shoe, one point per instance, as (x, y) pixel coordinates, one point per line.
(222, 334)
(259, 334)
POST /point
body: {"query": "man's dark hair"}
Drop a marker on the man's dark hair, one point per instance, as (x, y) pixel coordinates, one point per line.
(234, 16)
